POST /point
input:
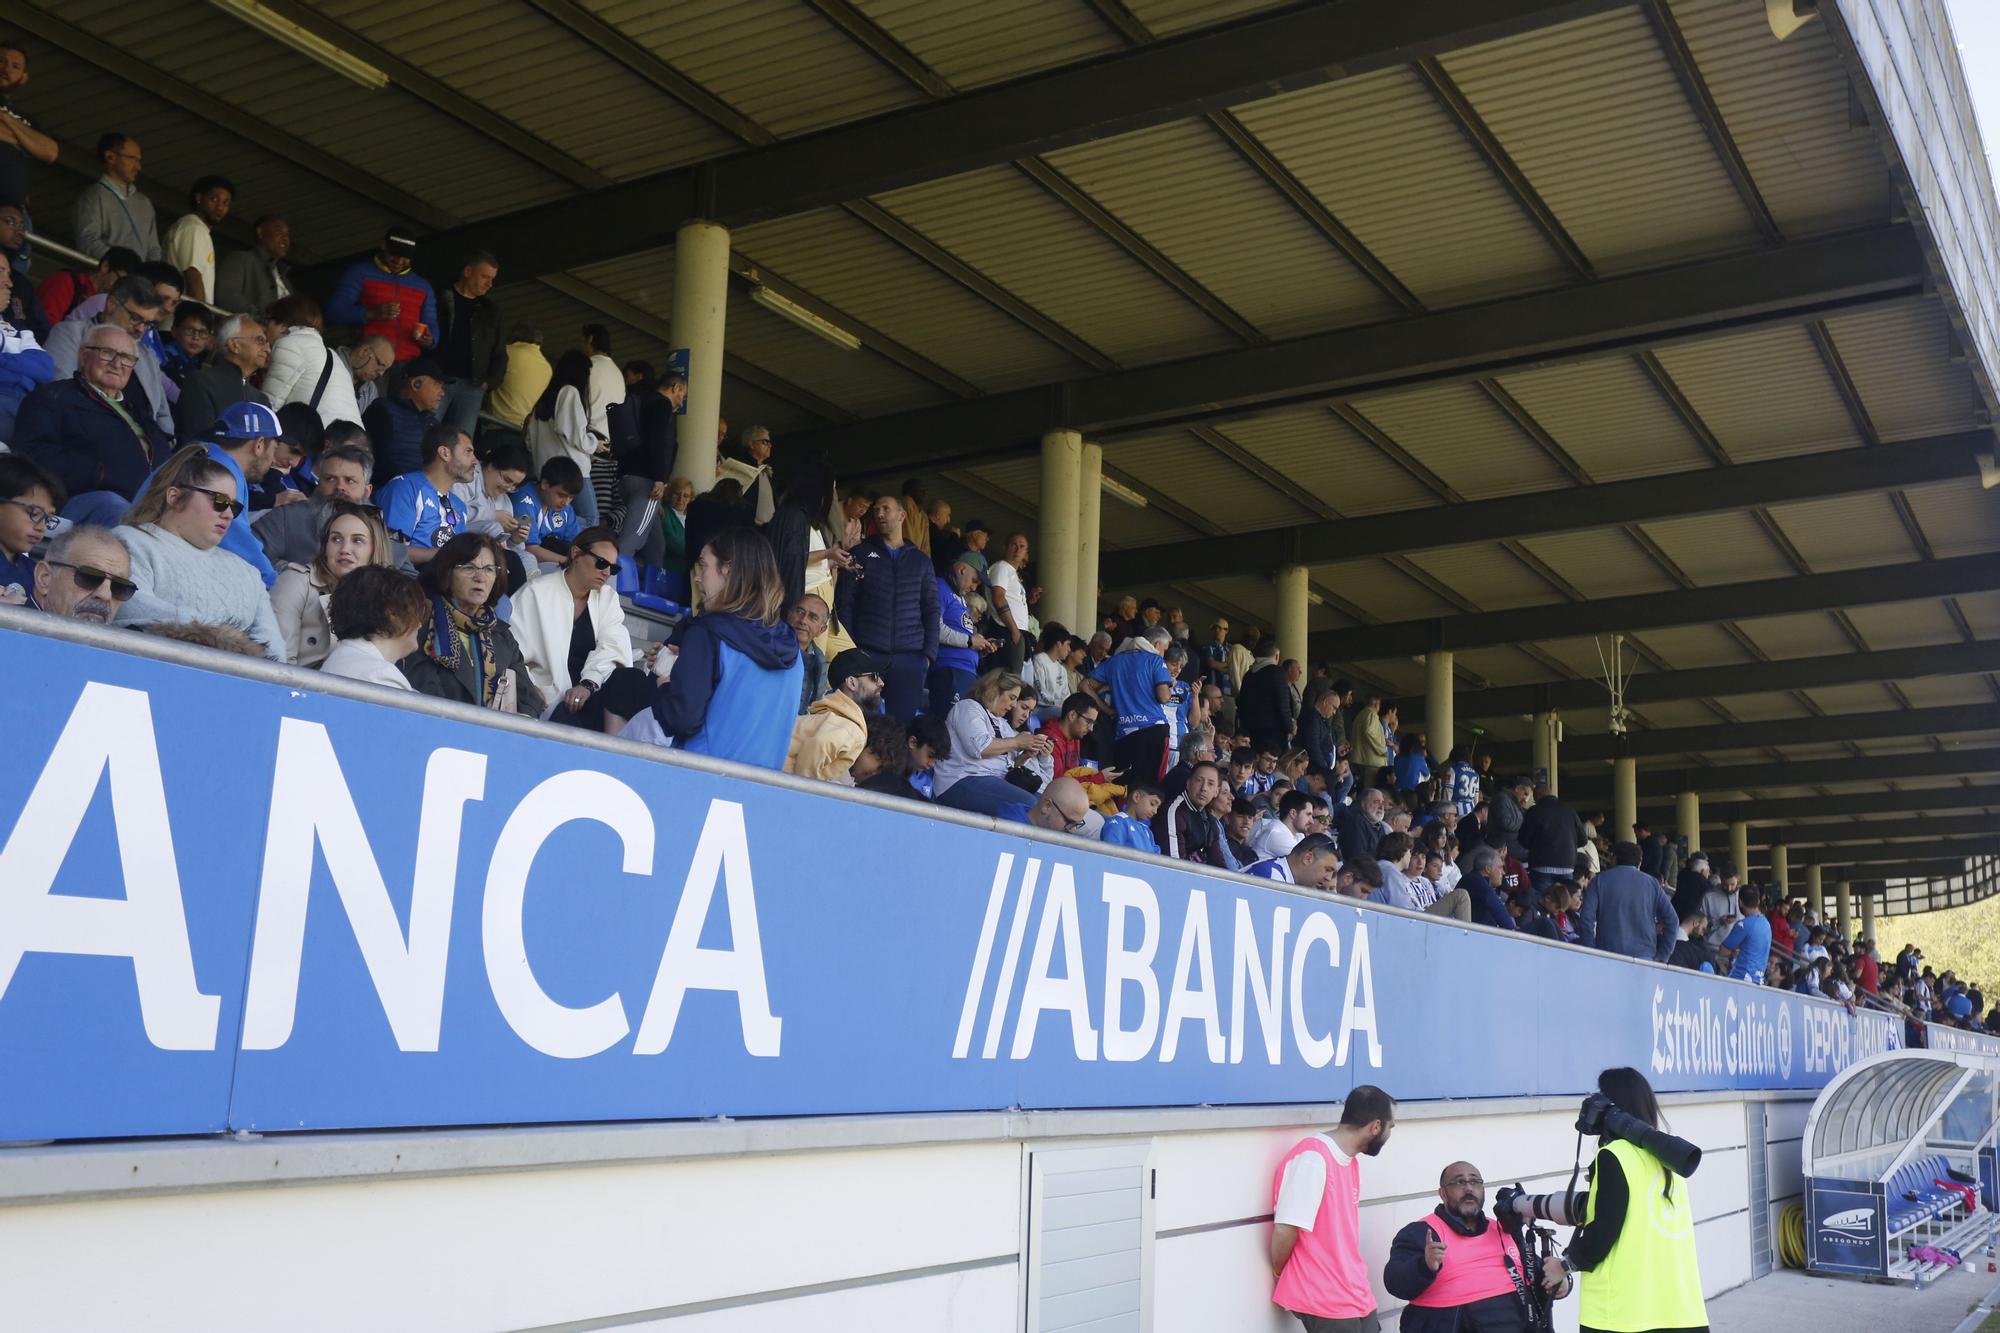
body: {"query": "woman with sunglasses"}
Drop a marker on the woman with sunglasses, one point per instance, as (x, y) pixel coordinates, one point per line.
(173, 533)
(352, 536)
(465, 652)
(571, 629)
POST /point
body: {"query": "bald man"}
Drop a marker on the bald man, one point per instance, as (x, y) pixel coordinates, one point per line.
(1457, 1267)
(1062, 807)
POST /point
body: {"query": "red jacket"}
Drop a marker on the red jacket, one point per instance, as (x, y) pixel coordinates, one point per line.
(364, 285)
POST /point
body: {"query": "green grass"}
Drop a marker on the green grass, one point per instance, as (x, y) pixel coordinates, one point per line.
(1965, 940)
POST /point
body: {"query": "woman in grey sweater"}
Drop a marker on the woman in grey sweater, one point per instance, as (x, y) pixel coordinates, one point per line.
(173, 534)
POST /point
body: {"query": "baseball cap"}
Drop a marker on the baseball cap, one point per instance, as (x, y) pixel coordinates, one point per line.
(245, 421)
(853, 662)
(424, 366)
(400, 240)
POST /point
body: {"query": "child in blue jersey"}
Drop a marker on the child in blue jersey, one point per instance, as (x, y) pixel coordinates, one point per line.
(545, 502)
(1134, 828)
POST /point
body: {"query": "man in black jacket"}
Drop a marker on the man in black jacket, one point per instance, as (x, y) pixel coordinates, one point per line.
(644, 471)
(1265, 708)
(1551, 833)
(469, 348)
(1461, 1271)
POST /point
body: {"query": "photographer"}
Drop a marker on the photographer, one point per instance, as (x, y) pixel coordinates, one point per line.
(1462, 1273)
(1636, 1247)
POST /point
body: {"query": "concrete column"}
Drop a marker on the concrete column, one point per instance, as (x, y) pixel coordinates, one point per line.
(1438, 718)
(701, 300)
(1089, 510)
(1781, 872)
(1739, 848)
(1868, 915)
(1687, 818)
(1843, 902)
(1292, 608)
(1055, 543)
(1547, 728)
(1815, 892)
(1624, 797)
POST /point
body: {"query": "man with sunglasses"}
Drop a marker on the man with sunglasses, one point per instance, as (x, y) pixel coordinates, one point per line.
(132, 306)
(94, 430)
(834, 731)
(85, 575)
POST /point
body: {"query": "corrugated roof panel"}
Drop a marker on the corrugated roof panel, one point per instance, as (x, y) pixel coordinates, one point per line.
(1014, 232)
(1785, 105)
(1405, 678)
(1457, 432)
(1846, 532)
(1763, 707)
(1122, 525)
(782, 65)
(1944, 691)
(1765, 394)
(1195, 199)
(1677, 713)
(1904, 624)
(847, 263)
(1805, 634)
(861, 382)
(1593, 115)
(1600, 563)
(645, 279)
(1982, 612)
(1167, 18)
(1390, 164)
(972, 42)
(1501, 666)
(1382, 590)
(537, 74)
(1959, 520)
(1609, 417)
(1184, 469)
(1681, 647)
(1485, 575)
(1718, 548)
(1900, 357)
(1864, 697)
(1320, 452)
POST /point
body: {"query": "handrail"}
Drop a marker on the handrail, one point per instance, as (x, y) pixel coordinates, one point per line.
(39, 241)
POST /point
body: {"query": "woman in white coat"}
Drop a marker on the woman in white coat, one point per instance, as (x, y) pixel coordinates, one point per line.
(571, 628)
(303, 368)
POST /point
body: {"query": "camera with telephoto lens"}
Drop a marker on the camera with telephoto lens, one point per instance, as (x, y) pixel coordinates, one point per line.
(1600, 1119)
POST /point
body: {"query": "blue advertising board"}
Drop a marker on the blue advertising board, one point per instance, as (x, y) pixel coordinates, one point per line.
(244, 902)
(1845, 1230)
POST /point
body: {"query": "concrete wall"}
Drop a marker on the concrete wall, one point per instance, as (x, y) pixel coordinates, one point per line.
(879, 1224)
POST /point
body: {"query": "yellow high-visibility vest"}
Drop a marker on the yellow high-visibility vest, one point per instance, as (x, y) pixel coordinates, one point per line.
(1651, 1278)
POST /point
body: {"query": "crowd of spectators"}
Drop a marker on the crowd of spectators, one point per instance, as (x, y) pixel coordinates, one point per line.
(393, 483)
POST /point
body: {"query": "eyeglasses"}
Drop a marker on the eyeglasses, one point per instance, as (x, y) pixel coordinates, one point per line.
(125, 359)
(597, 560)
(220, 499)
(89, 578)
(1076, 825)
(1464, 1182)
(37, 515)
(486, 570)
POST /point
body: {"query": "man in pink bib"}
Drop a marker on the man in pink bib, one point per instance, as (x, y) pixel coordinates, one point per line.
(1316, 1208)
(1461, 1271)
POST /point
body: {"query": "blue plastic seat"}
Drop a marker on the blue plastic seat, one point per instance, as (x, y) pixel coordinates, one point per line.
(627, 579)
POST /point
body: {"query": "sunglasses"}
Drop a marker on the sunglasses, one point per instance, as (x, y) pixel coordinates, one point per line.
(89, 578)
(220, 499)
(597, 560)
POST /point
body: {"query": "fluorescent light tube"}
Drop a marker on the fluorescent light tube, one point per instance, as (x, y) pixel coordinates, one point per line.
(306, 42)
(804, 318)
(1124, 492)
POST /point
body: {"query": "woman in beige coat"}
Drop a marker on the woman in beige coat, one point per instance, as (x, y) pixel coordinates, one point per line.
(353, 537)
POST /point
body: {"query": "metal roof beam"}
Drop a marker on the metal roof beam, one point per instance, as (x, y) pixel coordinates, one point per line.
(1792, 673)
(1829, 807)
(1890, 853)
(1871, 585)
(1569, 509)
(1846, 832)
(1831, 729)
(1151, 85)
(1797, 773)
(1704, 298)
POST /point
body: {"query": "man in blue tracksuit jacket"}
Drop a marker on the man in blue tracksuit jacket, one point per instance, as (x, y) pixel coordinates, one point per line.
(888, 602)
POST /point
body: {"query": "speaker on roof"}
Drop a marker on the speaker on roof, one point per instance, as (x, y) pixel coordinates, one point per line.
(1788, 16)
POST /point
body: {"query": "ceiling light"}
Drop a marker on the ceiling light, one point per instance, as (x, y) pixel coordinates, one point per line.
(804, 318)
(307, 43)
(1124, 492)
(1315, 598)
